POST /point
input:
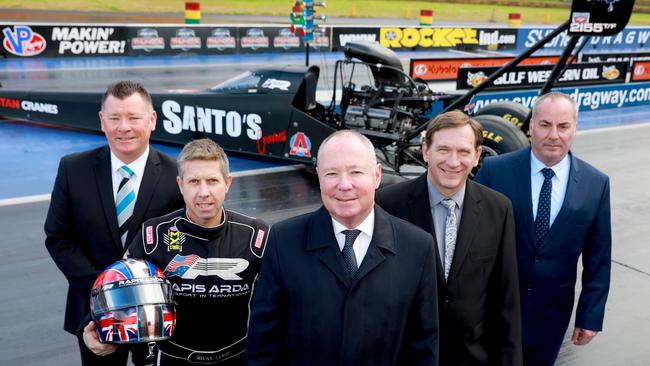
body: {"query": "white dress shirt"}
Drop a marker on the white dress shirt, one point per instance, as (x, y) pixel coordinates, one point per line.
(137, 166)
(362, 242)
(559, 182)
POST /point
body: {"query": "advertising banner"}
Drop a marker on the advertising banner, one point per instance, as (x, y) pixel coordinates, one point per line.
(640, 71)
(447, 68)
(497, 38)
(423, 38)
(59, 41)
(589, 98)
(536, 75)
(631, 39)
(609, 57)
(343, 35)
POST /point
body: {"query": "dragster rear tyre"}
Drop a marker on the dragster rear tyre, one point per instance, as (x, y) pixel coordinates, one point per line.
(512, 112)
(500, 136)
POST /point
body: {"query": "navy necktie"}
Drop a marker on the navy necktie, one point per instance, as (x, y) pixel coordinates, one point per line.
(542, 221)
(348, 252)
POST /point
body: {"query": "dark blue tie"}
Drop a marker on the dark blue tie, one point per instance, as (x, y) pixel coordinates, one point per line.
(543, 219)
(348, 252)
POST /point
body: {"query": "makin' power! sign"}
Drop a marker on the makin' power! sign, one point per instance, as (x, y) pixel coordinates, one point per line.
(23, 41)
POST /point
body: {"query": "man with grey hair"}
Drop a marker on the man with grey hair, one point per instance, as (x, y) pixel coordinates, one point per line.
(211, 255)
(347, 284)
(562, 211)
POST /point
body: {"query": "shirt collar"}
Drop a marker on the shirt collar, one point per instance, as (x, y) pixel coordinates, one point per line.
(536, 165)
(435, 197)
(367, 226)
(137, 166)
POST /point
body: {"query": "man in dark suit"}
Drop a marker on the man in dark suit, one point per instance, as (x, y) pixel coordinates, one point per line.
(473, 227)
(562, 211)
(347, 284)
(82, 231)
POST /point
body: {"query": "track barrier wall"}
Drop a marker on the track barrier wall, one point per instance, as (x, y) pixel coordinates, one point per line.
(630, 48)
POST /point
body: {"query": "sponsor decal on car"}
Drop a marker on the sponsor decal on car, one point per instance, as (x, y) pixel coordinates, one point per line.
(9, 103)
(29, 106)
(300, 145)
(276, 84)
(274, 138)
(179, 118)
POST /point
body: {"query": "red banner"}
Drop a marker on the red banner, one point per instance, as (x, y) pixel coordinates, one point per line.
(447, 69)
(641, 71)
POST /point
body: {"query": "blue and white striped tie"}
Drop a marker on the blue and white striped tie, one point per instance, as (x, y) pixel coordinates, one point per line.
(124, 202)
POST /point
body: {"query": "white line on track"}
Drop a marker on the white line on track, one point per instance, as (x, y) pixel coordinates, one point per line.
(612, 128)
(25, 199)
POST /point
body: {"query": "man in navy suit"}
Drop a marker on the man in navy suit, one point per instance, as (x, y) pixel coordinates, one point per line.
(562, 211)
(82, 231)
(347, 284)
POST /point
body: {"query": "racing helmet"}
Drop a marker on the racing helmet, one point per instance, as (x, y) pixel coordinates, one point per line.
(131, 302)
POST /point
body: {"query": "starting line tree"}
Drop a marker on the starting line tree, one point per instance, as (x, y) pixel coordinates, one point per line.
(303, 13)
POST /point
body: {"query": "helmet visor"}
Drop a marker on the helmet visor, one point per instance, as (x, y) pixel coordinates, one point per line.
(123, 296)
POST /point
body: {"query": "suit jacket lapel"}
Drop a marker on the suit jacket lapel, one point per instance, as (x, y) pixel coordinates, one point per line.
(105, 186)
(466, 231)
(521, 172)
(383, 238)
(321, 237)
(145, 193)
(419, 205)
(571, 191)
(421, 214)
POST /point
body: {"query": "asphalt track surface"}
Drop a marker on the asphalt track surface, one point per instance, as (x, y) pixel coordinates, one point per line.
(32, 300)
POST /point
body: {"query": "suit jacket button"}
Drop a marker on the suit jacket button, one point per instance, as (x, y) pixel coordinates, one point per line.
(446, 299)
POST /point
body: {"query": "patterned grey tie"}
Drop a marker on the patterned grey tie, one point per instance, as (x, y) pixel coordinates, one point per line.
(543, 218)
(450, 233)
(348, 252)
(124, 202)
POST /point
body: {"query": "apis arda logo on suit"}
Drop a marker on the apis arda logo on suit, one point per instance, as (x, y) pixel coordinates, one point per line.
(174, 239)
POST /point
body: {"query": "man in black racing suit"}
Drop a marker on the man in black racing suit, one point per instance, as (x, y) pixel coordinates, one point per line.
(210, 255)
(212, 271)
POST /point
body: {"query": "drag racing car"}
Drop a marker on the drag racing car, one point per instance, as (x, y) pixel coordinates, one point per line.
(274, 112)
